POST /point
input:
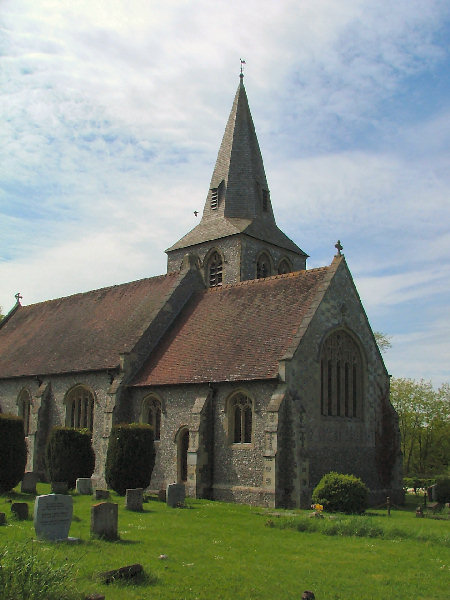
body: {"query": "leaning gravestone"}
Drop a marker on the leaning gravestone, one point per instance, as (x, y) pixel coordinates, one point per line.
(29, 481)
(53, 516)
(175, 494)
(134, 499)
(104, 520)
(84, 486)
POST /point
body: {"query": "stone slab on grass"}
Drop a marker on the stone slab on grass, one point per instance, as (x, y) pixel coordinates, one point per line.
(123, 573)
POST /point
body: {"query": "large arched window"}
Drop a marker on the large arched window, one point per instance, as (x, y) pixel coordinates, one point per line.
(263, 266)
(240, 419)
(24, 409)
(80, 408)
(151, 414)
(284, 267)
(341, 385)
(214, 270)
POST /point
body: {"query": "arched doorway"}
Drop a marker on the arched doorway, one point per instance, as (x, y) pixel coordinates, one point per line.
(182, 453)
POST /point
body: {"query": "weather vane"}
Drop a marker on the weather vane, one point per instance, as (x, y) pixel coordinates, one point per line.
(242, 68)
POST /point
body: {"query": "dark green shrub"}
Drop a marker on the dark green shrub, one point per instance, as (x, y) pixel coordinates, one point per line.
(69, 455)
(13, 451)
(443, 490)
(341, 493)
(130, 458)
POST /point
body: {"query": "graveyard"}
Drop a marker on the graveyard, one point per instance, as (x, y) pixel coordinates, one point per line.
(200, 549)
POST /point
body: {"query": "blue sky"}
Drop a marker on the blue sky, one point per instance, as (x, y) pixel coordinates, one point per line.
(112, 114)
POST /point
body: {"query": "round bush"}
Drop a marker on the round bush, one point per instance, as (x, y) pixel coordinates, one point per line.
(13, 452)
(130, 458)
(69, 455)
(443, 490)
(341, 493)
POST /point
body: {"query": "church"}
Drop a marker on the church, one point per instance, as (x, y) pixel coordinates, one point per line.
(257, 374)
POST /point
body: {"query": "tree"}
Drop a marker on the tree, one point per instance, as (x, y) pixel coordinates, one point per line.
(383, 341)
(13, 451)
(424, 421)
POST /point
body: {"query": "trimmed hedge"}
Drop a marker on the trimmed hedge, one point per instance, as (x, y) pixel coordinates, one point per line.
(130, 458)
(13, 452)
(443, 490)
(69, 455)
(341, 493)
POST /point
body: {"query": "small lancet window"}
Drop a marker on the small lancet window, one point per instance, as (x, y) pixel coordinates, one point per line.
(241, 419)
(263, 268)
(24, 409)
(215, 270)
(340, 377)
(151, 414)
(284, 267)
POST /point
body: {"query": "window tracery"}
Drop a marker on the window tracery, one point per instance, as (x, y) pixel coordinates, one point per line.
(215, 270)
(241, 421)
(80, 408)
(340, 377)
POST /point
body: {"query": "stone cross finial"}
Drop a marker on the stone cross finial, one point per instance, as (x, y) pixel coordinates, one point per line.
(339, 248)
(242, 69)
(18, 297)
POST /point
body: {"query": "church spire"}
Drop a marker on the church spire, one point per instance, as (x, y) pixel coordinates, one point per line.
(238, 205)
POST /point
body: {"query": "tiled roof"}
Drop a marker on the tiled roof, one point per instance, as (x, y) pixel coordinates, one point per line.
(236, 332)
(83, 332)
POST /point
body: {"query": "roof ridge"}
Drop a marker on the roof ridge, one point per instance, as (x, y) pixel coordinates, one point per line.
(102, 289)
(299, 273)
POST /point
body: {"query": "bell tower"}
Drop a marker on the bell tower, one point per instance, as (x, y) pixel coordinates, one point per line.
(237, 238)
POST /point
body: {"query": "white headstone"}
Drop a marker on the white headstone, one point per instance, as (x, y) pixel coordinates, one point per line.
(53, 516)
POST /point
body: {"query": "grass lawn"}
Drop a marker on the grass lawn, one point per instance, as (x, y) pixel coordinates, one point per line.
(229, 552)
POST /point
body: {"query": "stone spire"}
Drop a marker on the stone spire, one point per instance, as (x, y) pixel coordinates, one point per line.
(238, 200)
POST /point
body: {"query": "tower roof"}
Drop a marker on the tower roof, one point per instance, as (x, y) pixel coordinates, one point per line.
(238, 199)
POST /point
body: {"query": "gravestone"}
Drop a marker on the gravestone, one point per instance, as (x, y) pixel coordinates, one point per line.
(175, 494)
(101, 494)
(29, 481)
(53, 516)
(20, 509)
(84, 486)
(2, 518)
(134, 499)
(59, 487)
(104, 520)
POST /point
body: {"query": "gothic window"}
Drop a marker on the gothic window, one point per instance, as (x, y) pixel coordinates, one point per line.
(151, 414)
(241, 419)
(263, 268)
(214, 270)
(340, 377)
(24, 409)
(80, 408)
(284, 267)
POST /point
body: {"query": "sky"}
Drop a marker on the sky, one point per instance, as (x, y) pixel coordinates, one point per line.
(112, 113)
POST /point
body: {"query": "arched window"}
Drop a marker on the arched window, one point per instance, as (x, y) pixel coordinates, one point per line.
(340, 376)
(24, 409)
(214, 270)
(263, 268)
(151, 414)
(80, 408)
(284, 267)
(240, 422)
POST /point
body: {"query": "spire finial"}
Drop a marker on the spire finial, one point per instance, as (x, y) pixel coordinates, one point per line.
(242, 69)
(339, 248)
(18, 297)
